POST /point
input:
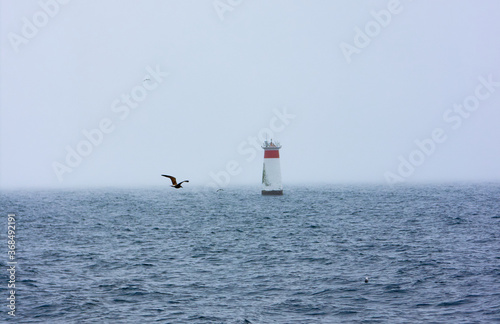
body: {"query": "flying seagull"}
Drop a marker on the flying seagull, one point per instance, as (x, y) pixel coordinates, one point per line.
(174, 181)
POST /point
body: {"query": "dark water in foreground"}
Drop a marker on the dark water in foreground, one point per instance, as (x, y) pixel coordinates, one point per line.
(432, 254)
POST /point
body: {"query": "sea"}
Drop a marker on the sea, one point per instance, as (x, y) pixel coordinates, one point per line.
(421, 253)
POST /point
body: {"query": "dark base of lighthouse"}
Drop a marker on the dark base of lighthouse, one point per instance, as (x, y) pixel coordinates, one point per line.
(272, 192)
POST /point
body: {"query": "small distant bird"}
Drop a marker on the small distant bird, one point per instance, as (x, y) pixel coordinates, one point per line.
(147, 79)
(220, 190)
(366, 279)
(174, 181)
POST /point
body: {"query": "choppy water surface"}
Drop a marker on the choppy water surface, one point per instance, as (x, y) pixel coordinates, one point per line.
(432, 254)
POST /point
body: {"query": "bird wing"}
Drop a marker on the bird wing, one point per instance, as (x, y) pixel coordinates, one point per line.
(184, 181)
(174, 180)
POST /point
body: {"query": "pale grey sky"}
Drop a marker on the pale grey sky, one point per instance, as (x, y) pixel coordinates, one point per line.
(355, 91)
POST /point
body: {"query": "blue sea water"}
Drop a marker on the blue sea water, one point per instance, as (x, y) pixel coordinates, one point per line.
(431, 252)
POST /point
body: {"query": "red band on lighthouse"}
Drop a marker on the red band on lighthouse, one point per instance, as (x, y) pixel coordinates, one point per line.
(271, 154)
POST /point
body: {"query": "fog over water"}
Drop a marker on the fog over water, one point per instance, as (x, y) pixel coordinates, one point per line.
(115, 93)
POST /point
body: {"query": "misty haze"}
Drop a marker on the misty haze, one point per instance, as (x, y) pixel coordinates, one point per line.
(235, 161)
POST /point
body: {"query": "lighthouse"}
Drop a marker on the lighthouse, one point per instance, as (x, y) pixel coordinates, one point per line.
(271, 172)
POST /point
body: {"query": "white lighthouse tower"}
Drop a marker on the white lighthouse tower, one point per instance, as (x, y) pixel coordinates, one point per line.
(271, 173)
